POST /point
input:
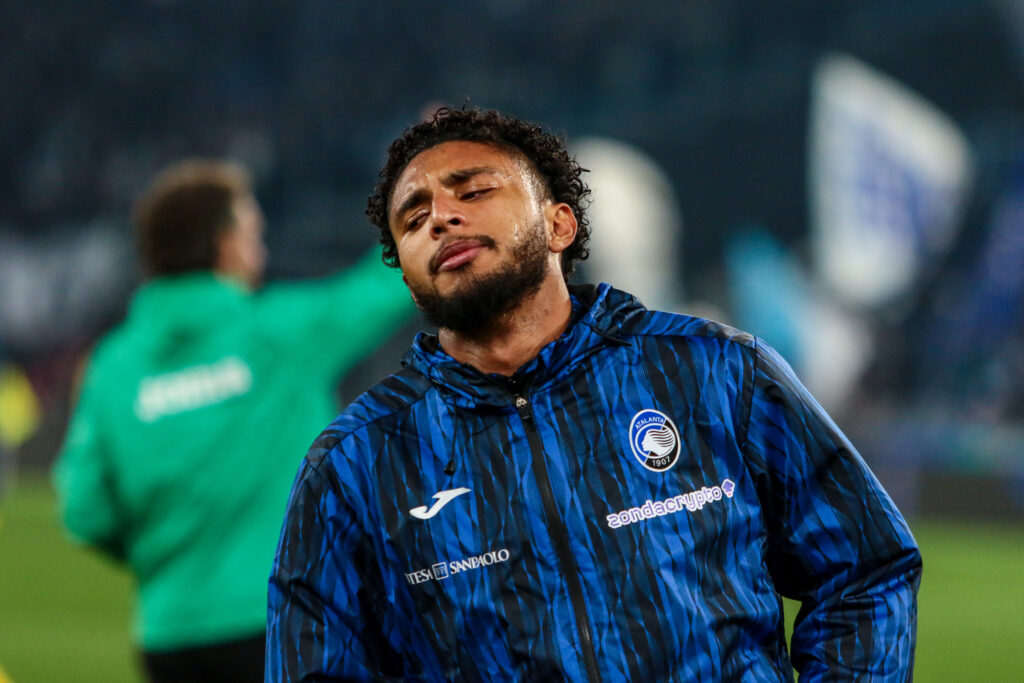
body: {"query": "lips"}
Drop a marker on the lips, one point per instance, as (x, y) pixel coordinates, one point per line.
(455, 254)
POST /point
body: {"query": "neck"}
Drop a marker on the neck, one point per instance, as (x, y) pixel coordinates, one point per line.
(516, 337)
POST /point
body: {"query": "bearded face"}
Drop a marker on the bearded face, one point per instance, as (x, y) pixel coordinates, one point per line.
(478, 301)
(472, 235)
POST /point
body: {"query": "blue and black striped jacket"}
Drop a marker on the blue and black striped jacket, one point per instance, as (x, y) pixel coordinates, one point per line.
(629, 505)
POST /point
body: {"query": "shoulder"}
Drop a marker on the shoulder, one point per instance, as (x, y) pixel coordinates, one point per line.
(699, 357)
(371, 416)
(620, 315)
(112, 348)
(679, 328)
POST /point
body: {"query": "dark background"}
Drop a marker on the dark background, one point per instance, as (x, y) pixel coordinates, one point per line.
(96, 97)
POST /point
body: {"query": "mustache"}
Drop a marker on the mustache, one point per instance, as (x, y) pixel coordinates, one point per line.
(483, 240)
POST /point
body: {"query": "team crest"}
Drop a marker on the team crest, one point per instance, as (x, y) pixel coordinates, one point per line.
(654, 439)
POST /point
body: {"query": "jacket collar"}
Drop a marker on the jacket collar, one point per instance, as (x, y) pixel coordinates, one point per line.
(186, 300)
(600, 317)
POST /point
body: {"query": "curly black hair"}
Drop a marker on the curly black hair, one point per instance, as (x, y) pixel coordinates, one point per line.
(561, 175)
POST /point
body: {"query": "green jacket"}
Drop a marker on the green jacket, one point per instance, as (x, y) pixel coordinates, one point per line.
(193, 418)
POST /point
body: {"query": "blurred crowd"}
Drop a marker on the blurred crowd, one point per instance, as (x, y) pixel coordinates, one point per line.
(717, 94)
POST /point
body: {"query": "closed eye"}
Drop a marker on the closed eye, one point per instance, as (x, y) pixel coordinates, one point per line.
(476, 193)
(415, 221)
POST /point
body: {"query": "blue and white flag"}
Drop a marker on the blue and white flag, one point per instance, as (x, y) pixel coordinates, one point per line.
(888, 175)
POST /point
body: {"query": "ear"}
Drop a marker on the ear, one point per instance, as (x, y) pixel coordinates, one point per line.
(225, 258)
(563, 226)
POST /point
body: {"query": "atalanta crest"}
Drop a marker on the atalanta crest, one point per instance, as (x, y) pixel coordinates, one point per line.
(654, 439)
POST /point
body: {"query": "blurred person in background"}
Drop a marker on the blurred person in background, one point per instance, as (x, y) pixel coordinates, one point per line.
(564, 485)
(183, 444)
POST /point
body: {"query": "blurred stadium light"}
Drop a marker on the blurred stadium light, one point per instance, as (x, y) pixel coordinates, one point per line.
(637, 230)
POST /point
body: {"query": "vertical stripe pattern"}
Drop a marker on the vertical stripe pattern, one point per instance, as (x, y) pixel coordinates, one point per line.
(681, 568)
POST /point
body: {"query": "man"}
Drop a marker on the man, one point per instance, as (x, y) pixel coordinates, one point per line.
(181, 450)
(564, 485)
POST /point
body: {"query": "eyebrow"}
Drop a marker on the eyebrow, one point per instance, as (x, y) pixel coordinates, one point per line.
(464, 174)
(453, 178)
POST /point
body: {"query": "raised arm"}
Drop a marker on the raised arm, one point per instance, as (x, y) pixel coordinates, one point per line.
(337, 321)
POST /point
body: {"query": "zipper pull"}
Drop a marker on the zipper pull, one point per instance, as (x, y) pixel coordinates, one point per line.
(449, 469)
(523, 408)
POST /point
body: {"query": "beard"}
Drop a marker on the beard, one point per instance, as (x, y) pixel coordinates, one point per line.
(474, 308)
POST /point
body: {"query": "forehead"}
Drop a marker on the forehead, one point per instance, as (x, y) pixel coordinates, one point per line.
(446, 157)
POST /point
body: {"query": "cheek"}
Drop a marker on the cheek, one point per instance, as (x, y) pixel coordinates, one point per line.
(407, 251)
(402, 248)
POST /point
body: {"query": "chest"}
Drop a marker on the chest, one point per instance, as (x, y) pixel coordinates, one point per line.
(638, 466)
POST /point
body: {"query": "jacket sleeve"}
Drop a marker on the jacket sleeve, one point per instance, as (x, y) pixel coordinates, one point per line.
(337, 321)
(83, 478)
(324, 619)
(837, 543)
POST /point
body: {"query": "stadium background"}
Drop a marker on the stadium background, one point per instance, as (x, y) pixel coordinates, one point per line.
(736, 126)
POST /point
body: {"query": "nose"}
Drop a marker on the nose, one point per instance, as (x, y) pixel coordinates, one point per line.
(444, 215)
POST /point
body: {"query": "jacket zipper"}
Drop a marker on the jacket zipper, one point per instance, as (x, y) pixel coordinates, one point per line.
(560, 539)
